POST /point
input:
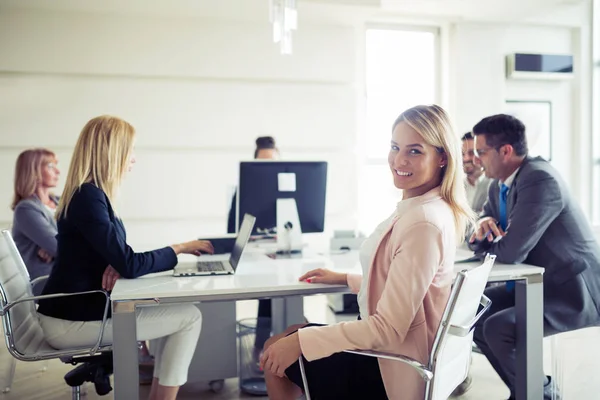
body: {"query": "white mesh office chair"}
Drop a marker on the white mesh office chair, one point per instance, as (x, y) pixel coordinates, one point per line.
(450, 357)
(7, 381)
(23, 333)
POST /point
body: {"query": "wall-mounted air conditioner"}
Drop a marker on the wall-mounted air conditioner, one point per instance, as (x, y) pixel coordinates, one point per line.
(539, 66)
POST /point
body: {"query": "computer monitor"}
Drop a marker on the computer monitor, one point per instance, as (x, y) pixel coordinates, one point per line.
(262, 183)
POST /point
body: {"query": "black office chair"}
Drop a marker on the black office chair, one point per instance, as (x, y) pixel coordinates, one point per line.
(96, 369)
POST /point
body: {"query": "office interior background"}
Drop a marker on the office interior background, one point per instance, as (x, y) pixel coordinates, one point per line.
(201, 79)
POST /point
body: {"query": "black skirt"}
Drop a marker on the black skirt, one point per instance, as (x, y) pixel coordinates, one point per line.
(340, 376)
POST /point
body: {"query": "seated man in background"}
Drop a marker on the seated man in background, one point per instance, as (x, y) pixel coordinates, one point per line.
(265, 150)
(530, 217)
(476, 182)
(476, 185)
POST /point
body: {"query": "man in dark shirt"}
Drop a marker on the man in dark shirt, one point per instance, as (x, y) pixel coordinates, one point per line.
(265, 150)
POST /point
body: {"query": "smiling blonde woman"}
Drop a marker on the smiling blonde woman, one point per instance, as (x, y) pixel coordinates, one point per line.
(405, 285)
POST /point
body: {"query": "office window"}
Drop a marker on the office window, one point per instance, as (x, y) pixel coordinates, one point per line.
(401, 71)
(596, 148)
(596, 117)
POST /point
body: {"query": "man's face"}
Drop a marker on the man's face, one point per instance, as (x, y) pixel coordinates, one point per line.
(488, 157)
(267, 154)
(470, 162)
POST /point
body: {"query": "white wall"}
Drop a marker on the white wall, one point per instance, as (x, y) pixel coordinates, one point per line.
(198, 91)
(479, 88)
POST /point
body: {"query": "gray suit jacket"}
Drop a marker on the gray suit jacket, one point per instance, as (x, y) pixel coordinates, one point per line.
(547, 228)
(34, 227)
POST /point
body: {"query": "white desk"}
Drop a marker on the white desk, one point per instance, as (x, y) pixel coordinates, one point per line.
(261, 277)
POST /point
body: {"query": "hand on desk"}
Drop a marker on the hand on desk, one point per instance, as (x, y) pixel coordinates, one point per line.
(322, 275)
(281, 354)
(487, 228)
(195, 247)
(109, 278)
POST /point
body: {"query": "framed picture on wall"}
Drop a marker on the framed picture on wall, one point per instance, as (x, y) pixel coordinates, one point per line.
(537, 117)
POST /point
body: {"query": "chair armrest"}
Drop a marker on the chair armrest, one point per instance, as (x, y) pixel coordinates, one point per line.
(38, 280)
(5, 308)
(464, 330)
(425, 373)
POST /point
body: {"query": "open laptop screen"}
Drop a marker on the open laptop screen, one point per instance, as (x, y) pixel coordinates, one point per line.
(241, 240)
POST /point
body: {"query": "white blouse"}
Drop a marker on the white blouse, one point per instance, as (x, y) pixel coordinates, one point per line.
(365, 255)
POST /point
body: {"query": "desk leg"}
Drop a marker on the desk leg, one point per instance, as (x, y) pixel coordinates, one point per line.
(215, 357)
(125, 352)
(286, 311)
(530, 332)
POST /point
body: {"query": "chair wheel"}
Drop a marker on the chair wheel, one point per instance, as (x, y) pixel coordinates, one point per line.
(217, 385)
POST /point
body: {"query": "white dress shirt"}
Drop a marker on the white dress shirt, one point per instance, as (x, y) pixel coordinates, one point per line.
(365, 255)
(472, 188)
(510, 179)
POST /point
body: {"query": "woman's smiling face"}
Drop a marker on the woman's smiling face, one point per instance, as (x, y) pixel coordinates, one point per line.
(415, 165)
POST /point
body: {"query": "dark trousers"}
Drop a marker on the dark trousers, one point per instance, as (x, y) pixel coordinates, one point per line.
(496, 334)
(263, 326)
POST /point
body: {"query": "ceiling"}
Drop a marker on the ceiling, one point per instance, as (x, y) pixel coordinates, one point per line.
(317, 10)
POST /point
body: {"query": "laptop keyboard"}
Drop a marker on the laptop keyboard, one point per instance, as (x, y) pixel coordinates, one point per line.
(211, 266)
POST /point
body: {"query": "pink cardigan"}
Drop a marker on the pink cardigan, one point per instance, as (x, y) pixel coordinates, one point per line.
(409, 285)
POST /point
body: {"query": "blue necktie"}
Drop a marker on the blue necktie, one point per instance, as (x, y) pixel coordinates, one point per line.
(502, 205)
(510, 285)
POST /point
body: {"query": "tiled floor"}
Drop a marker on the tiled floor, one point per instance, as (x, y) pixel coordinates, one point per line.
(579, 354)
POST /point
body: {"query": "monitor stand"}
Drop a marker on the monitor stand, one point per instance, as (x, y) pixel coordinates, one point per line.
(289, 232)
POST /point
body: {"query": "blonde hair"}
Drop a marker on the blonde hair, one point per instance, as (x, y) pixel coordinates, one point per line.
(28, 173)
(433, 124)
(101, 157)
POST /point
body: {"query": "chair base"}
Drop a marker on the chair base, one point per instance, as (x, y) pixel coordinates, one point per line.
(96, 369)
(76, 393)
(10, 376)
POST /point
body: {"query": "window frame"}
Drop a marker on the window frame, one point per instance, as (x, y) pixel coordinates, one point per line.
(594, 194)
(436, 31)
(365, 160)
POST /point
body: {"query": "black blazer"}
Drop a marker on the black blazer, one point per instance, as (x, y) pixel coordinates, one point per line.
(231, 228)
(547, 228)
(90, 239)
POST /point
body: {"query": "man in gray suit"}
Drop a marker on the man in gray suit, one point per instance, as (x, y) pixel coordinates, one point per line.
(476, 183)
(530, 217)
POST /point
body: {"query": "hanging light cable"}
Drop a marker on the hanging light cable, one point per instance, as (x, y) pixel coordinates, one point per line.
(283, 14)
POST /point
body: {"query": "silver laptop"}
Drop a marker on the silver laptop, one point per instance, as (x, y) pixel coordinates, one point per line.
(216, 267)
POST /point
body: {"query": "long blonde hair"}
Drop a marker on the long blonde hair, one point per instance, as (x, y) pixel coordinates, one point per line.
(434, 126)
(28, 173)
(101, 157)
